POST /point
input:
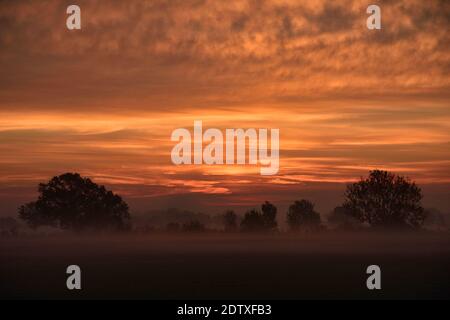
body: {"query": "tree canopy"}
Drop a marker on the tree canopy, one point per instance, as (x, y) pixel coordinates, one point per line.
(70, 201)
(385, 200)
(301, 215)
(254, 220)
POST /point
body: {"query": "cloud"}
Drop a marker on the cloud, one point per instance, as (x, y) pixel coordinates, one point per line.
(104, 100)
(208, 51)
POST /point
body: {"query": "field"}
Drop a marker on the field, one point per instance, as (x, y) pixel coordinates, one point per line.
(210, 266)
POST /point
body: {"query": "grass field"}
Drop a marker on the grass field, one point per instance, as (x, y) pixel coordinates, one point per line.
(210, 266)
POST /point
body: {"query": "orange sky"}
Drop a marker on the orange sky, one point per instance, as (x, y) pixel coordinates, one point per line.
(104, 100)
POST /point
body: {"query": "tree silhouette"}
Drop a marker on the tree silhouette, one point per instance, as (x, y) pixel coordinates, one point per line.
(301, 216)
(269, 213)
(194, 226)
(385, 200)
(230, 221)
(254, 220)
(70, 201)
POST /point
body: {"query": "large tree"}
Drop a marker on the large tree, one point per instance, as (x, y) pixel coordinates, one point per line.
(385, 200)
(70, 201)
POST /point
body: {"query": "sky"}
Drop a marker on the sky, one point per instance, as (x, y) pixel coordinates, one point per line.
(104, 100)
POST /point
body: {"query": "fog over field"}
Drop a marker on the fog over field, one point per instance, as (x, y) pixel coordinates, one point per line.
(230, 266)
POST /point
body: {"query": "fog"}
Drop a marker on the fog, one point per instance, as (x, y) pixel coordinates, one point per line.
(230, 266)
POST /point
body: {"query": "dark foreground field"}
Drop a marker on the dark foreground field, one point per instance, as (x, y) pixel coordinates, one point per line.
(227, 266)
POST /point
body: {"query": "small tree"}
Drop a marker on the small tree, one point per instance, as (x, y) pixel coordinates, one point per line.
(269, 214)
(230, 221)
(194, 226)
(385, 200)
(253, 221)
(72, 202)
(301, 216)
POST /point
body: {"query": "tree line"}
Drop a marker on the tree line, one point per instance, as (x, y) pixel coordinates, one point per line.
(383, 199)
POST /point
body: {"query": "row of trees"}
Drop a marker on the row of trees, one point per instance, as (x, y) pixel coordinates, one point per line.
(301, 216)
(383, 199)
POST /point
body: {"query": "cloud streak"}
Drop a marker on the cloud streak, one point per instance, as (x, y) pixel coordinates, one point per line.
(104, 100)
